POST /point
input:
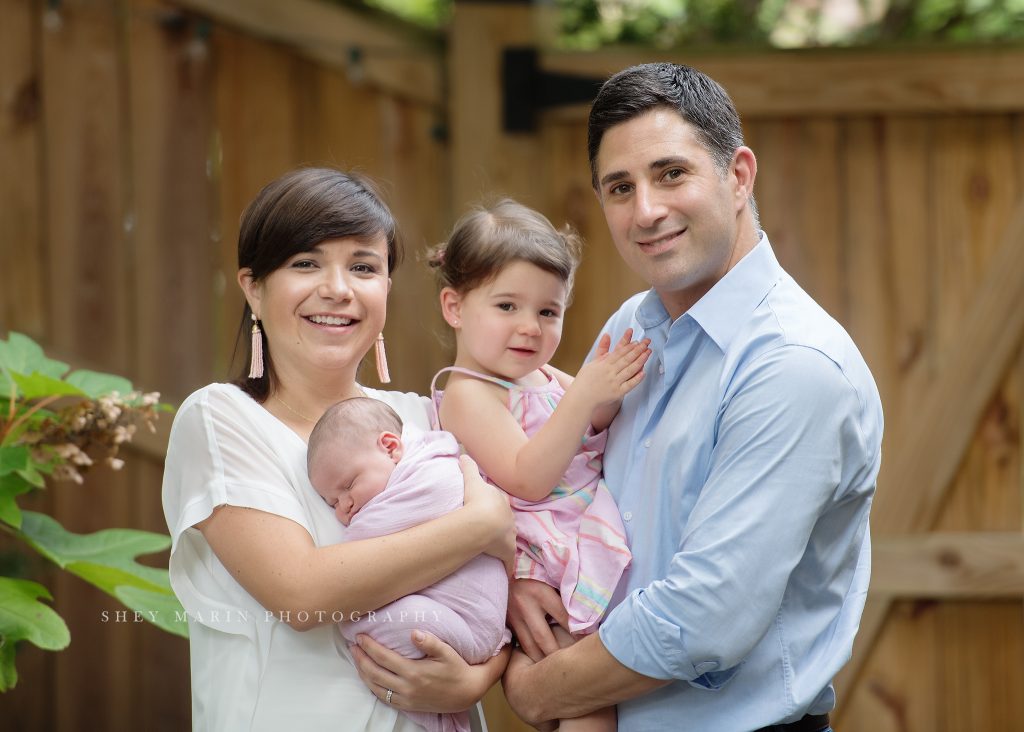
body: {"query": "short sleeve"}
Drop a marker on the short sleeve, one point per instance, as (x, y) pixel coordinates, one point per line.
(218, 455)
(414, 409)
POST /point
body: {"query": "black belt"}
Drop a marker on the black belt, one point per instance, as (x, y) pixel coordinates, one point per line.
(808, 723)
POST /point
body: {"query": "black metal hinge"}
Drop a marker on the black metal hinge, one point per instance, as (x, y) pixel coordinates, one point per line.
(528, 89)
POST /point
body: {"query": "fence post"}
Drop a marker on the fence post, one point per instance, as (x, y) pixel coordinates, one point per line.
(485, 158)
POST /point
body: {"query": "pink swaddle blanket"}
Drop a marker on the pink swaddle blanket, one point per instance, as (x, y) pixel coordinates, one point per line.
(467, 608)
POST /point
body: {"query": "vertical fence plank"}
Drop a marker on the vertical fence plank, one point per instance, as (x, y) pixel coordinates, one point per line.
(603, 281)
(486, 158)
(170, 89)
(412, 167)
(22, 249)
(956, 264)
(985, 494)
(255, 132)
(819, 212)
(337, 122)
(778, 189)
(910, 225)
(970, 698)
(886, 694)
(889, 695)
(89, 267)
(868, 285)
(85, 183)
(799, 203)
(981, 192)
(866, 296)
(23, 305)
(171, 85)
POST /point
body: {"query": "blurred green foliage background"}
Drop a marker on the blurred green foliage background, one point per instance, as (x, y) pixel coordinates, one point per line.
(668, 24)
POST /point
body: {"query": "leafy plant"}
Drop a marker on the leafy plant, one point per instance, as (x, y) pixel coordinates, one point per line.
(53, 426)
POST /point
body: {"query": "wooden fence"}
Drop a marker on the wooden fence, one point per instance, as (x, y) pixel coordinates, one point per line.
(133, 132)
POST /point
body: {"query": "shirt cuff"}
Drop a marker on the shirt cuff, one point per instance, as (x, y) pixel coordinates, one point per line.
(651, 645)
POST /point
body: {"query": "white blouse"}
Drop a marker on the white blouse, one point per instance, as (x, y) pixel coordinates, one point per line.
(250, 670)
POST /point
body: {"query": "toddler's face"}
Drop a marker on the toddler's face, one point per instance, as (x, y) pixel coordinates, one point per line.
(348, 474)
(511, 325)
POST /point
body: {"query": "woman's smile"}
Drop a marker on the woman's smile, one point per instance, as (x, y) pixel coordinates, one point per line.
(330, 320)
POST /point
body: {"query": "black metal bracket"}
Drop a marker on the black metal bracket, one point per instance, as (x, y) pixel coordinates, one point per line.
(527, 89)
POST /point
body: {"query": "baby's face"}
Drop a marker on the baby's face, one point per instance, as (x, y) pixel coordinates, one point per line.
(348, 474)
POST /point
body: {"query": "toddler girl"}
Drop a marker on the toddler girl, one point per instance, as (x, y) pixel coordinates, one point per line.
(506, 275)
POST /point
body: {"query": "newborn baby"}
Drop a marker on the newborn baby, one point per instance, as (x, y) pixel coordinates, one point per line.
(379, 481)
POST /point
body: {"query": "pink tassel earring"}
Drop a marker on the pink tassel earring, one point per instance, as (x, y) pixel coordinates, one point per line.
(256, 364)
(382, 360)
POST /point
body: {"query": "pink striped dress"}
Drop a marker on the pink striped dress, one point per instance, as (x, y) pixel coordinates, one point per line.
(573, 539)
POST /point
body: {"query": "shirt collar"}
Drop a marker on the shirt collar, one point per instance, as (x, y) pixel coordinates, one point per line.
(725, 306)
(651, 312)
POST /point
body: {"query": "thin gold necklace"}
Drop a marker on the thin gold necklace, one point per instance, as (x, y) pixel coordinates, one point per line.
(296, 412)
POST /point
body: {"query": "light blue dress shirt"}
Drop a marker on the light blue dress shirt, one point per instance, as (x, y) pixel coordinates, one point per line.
(743, 465)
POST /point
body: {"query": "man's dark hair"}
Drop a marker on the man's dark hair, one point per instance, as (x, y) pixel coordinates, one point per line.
(699, 99)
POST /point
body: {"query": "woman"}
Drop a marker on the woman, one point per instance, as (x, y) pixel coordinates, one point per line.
(255, 558)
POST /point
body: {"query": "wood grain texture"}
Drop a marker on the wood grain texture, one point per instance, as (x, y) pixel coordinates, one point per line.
(989, 336)
(485, 159)
(853, 82)
(22, 240)
(89, 270)
(172, 202)
(85, 187)
(383, 56)
(971, 367)
(890, 185)
(950, 565)
(255, 141)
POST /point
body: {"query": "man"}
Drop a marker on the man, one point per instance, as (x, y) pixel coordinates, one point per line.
(744, 464)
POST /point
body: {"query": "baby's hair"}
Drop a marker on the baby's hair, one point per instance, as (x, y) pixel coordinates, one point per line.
(490, 237)
(350, 420)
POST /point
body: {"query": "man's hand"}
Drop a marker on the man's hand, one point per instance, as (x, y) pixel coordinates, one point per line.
(530, 605)
(518, 665)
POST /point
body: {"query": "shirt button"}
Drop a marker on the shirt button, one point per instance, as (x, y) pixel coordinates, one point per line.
(647, 443)
(661, 368)
(627, 516)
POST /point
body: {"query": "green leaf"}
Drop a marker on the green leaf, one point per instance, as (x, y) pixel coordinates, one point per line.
(17, 460)
(106, 559)
(12, 486)
(23, 617)
(37, 385)
(32, 476)
(13, 459)
(160, 608)
(96, 384)
(8, 673)
(19, 354)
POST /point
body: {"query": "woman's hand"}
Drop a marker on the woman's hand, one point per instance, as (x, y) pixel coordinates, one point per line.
(441, 681)
(491, 509)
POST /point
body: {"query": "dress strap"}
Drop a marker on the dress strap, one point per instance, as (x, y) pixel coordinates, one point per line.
(435, 395)
(470, 372)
